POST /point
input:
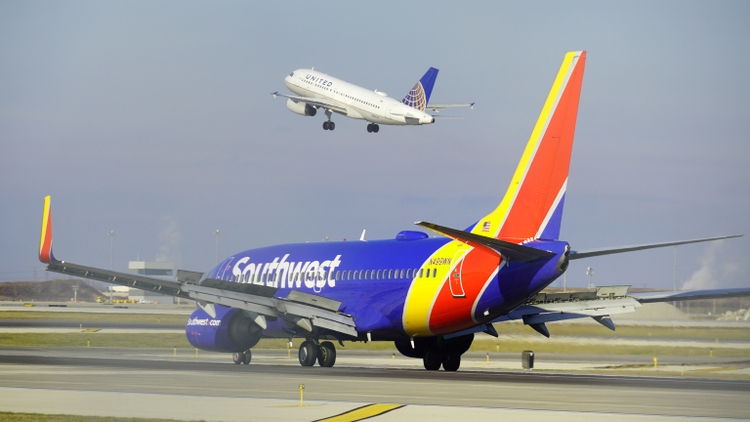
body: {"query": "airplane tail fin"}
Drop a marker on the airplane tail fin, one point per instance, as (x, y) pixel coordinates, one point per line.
(533, 204)
(419, 96)
(45, 242)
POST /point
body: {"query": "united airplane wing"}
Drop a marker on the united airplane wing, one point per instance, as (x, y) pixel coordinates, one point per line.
(315, 102)
(437, 107)
(310, 312)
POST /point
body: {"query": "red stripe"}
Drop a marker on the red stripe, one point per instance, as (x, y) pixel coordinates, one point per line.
(549, 169)
(451, 314)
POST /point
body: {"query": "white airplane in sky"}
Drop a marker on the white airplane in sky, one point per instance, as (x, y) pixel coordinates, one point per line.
(317, 90)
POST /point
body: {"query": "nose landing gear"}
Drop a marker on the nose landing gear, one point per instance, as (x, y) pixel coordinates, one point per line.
(372, 128)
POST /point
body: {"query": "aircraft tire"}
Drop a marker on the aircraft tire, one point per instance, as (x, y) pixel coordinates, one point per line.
(247, 357)
(369, 128)
(308, 353)
(451, 362)
(237, 358)
(327, 355)
(375, 128)
(433, 358)
(331, 126)
(325, 125)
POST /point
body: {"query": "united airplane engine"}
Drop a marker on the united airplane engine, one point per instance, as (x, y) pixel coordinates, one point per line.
(232, 330)
(301, 108)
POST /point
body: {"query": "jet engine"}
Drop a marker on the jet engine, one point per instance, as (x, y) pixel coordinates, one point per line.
(301, 108)
(232, 330)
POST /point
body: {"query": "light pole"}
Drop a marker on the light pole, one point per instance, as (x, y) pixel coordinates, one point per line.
(590, 273)
(111, 250)
(217, 246)
(111, 258)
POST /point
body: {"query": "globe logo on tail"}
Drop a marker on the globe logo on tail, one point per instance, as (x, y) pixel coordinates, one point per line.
(416, 98)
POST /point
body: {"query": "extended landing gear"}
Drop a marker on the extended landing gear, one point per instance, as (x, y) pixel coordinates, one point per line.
(434, 357)
(242, 357)
(324, 354)
(372, 128)
(328, 124)
(437, 351)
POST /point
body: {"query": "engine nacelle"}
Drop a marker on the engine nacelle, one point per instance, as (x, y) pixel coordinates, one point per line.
(233, 330)
(301, 108)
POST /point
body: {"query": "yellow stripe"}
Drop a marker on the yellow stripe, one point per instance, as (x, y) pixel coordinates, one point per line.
(497, 217)
(361, 413)
(45, 217)
(423, 291)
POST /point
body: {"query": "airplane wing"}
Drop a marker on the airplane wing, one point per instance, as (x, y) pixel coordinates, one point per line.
(305, 310)
(509, 251)
(317, 102)
(601, 304)
(437, 107)
(609, 251)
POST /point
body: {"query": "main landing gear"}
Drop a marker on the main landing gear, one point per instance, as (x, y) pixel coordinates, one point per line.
(436, 351)
(328, 124)
(242, 357)
(434, 357)
(372, 128)
(324, 353)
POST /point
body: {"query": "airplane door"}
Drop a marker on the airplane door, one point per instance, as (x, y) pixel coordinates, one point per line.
(456, 277)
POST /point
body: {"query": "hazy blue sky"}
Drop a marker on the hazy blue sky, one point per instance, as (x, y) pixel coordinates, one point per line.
(154, 119)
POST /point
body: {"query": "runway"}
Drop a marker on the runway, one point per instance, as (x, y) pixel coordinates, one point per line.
(131, 382)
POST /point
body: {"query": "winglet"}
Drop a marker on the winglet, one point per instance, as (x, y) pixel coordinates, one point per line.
(419, 96)
(45, 242)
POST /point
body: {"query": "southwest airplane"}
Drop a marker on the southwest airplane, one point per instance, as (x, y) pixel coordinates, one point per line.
(317, 90)
(428, 295)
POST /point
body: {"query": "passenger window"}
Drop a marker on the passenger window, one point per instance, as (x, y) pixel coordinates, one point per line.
(390, 274)
(434, 272)
(408, 273)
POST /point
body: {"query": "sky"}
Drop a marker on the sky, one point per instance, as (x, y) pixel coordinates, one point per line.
(154, 120)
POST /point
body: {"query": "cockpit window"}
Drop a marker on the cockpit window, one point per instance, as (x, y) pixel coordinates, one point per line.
(291, 74)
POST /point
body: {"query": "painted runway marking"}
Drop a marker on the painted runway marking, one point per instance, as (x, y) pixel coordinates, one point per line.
(364, 412)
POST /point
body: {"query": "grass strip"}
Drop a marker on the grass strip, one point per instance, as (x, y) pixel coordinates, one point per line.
(39, 417)
(720, 334)
(90, 318)
(515, 346)
(178, 340)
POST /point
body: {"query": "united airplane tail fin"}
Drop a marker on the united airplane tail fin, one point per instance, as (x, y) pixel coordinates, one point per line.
(419, 96)
(533, 204)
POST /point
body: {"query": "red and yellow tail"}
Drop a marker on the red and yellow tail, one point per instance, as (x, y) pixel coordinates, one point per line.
(45, 243)
(532, 206)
